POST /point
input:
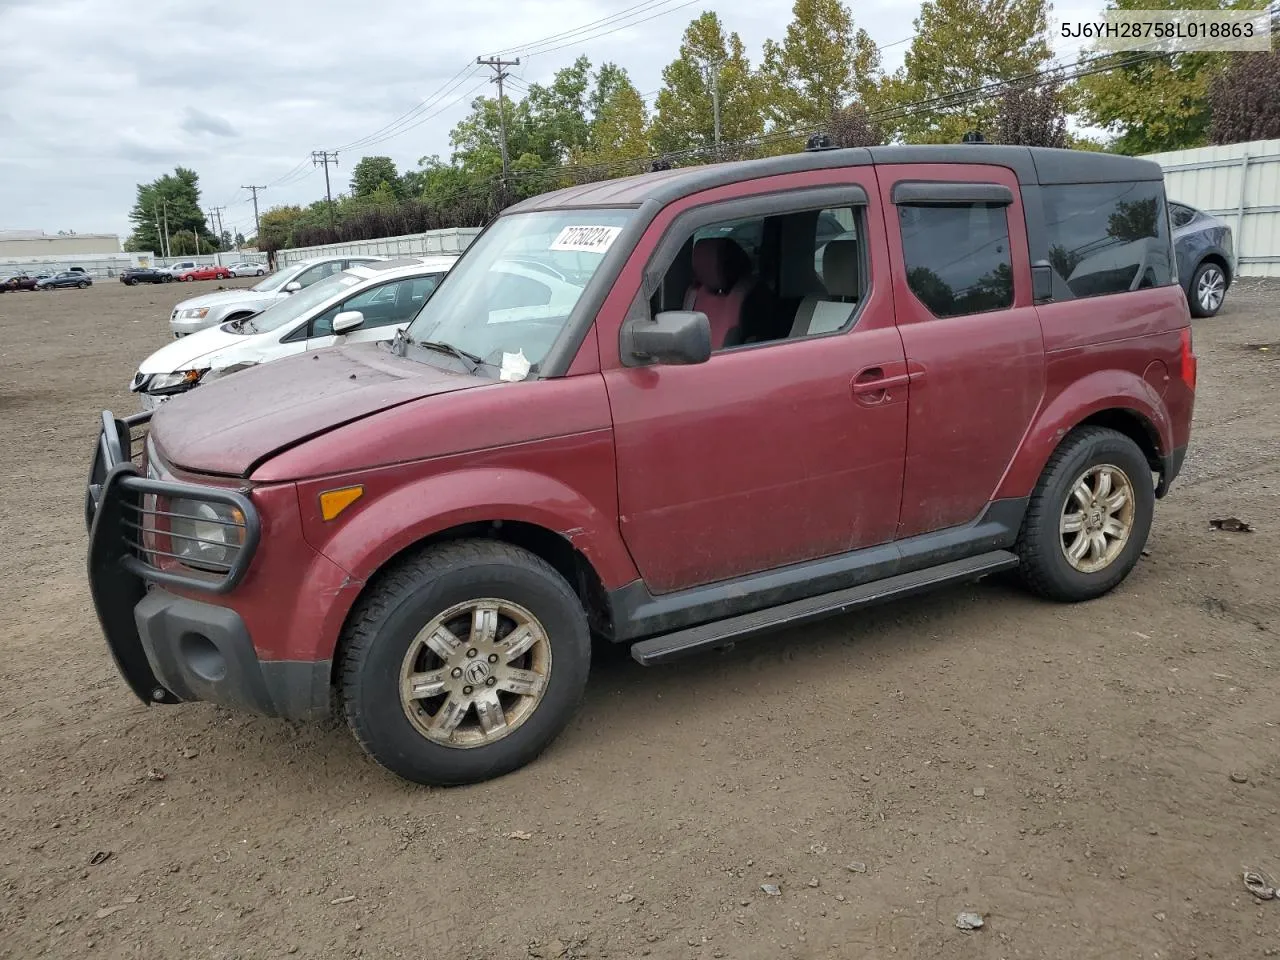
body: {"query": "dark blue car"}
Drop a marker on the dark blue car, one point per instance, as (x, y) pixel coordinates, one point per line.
(69, 279)
(1206, 257)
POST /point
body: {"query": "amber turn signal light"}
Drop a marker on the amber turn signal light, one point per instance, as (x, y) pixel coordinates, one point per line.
(333, 502)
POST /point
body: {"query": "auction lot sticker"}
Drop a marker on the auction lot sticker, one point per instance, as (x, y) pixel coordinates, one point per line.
(586, 239)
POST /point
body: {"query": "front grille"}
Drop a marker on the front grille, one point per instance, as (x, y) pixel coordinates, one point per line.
(137, 515)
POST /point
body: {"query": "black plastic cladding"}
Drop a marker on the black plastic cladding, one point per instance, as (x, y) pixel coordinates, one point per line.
(651, 192)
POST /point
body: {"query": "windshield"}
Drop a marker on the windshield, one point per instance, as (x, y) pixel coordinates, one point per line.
(304, 301)
(508, 299)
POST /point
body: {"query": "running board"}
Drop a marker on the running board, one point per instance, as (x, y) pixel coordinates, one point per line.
(708, 636)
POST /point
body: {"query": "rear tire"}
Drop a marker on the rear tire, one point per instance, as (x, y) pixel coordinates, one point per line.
(430, 689)
(1207, 290)
(1097, 484)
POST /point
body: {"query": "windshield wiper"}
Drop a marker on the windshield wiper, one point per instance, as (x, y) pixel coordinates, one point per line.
(471, 361)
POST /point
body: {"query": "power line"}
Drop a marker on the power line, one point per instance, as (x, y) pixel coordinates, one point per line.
(633, 9)
(612, 29)
(389, 130)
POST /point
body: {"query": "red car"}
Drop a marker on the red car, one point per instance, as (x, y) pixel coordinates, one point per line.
(212, 272)
(670, 411)
(19, 281)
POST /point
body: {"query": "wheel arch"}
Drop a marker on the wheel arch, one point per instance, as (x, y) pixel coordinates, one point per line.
(553, 547)
(1128, 405)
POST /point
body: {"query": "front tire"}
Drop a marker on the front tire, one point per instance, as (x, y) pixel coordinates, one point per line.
(1088, 518)
(463, 662)
(1207, 290)
(82, 284)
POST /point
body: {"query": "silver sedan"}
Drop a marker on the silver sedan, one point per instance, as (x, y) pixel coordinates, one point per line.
(248, 269)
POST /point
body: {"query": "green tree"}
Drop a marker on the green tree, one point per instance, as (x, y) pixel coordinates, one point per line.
(684, 118)
(618, 128)
(559, 117)
(276, 227)
(1159, 104)
(371, 173)
(173, 197)
(823, 64)
(961, 45)
(1244, 99)
(477, 147)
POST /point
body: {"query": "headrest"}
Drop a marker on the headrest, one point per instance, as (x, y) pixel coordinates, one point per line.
(719, 263)
(840, 268)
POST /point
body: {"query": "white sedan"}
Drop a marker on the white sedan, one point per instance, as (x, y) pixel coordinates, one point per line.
(248, 269)
(365, 303)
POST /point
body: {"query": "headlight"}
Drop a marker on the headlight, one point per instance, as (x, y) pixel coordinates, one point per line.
(207, 536)
(193, 313)
(174, 382)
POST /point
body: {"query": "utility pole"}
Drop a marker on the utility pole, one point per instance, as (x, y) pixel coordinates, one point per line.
(155, 212)
(326, 157)
(499, 67)
(257, 227)
(713, 76)
(168, 249)
(216, 212)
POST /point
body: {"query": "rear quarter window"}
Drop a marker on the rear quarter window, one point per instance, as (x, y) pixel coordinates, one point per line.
(1107, 238)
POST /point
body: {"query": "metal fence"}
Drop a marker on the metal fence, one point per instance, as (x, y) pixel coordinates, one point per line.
(213, 259)
(432, 243)
(1241, 184)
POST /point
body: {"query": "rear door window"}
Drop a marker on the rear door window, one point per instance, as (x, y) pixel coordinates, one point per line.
(957, 257)
(1107, 238)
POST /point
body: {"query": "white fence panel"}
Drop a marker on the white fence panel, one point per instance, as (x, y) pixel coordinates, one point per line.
(1240, 183)
(450, 241)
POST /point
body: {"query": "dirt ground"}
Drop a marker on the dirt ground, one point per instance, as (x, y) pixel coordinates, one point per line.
(1091, 779)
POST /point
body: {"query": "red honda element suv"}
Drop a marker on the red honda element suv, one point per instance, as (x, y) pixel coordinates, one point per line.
(668, 411)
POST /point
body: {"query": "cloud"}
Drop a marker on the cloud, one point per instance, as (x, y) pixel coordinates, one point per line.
(197, 121)
(244, 91)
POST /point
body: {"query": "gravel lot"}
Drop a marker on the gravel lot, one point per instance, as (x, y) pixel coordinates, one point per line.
(1091, 779)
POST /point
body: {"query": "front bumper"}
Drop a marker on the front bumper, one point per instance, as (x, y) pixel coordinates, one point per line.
(171, 648)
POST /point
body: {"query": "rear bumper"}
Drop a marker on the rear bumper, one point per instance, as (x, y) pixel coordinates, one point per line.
(1170, 467)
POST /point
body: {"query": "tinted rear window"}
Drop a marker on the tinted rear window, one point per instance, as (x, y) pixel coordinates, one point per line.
(1107, 238)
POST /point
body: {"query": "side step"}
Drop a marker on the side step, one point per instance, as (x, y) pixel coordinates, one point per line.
(708, 636)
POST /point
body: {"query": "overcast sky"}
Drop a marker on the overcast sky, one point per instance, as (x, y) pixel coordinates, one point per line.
(99, 95)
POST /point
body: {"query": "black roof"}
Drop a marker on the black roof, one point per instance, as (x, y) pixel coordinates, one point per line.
(1033, 165)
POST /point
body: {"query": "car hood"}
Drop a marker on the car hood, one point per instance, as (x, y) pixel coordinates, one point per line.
(228, 296)
(198, 351)
(229, 426)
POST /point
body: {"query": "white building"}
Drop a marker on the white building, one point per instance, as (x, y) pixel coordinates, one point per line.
(15, 244)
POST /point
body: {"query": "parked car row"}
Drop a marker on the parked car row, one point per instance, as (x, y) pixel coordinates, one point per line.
(74, 277)
(671, 411)
(365, 303)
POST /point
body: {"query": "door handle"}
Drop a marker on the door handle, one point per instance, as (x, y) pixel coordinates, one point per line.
(872, 380)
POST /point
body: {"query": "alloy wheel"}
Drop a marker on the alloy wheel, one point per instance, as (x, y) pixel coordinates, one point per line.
(475, 673)
(1097, 518)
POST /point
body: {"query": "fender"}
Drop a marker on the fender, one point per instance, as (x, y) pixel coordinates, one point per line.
(398, 511)
(1093, 394)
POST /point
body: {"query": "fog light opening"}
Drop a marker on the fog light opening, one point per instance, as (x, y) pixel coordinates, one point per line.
(203, 657)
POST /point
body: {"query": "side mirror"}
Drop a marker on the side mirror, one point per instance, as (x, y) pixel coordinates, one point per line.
(674, 337)
(347, 320)
(1041, 281)
(293, 286)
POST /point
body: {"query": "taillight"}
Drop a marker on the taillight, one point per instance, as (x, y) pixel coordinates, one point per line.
(1187, 366)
